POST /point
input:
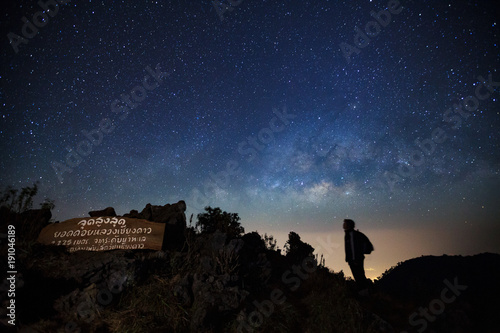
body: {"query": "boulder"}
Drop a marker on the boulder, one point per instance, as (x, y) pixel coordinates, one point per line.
(173, 214)
(134, 214)
(174, 217)
(109, 211)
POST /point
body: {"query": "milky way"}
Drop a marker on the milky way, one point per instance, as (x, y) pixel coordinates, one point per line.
(292, 114)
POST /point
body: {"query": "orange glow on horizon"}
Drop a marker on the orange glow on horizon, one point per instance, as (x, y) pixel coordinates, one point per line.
(391, 246)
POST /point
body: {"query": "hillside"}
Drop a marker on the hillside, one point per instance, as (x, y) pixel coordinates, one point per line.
(220, 279)
(460, 292)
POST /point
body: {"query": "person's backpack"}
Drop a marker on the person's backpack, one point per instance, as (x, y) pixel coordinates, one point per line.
(367, 245)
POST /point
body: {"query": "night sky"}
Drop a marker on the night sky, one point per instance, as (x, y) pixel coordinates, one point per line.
(293, 114)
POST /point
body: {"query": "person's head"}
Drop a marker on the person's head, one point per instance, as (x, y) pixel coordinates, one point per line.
(348, 224)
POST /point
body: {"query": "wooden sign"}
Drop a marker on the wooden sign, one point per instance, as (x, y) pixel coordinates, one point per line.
(104, 233)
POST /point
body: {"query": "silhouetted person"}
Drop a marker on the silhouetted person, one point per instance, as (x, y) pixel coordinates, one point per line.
(356, 246)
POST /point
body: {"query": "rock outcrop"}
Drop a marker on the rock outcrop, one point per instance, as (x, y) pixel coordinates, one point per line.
(109, 211)
(173, 214)
(174, 217)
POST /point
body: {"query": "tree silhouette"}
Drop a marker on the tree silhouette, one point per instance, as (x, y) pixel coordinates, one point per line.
(16, 208)
(216, 219)
(270, 242)
(21, 201)
(296, 249)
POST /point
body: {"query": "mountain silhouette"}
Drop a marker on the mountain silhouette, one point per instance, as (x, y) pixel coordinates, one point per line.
(459, 293)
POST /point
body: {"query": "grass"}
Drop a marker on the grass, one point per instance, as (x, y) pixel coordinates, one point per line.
(148, 307)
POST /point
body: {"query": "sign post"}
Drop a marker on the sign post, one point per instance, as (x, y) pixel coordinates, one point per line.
(104, 233)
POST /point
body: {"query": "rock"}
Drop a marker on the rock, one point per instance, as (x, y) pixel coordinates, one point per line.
(133, 214)
(147, 212)
(174, 217)
(110, 211)
(171, 214)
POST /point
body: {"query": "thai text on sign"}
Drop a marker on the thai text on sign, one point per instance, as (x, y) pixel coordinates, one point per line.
(103, 234)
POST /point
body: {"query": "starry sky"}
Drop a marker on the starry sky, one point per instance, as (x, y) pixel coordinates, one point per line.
(293, 114)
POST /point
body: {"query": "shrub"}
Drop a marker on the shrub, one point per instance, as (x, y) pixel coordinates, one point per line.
(296, 249)
(215, 219)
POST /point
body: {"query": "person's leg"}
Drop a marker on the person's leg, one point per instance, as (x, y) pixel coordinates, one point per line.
(358, 272)
(363, 283)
